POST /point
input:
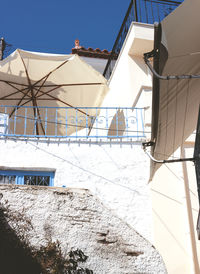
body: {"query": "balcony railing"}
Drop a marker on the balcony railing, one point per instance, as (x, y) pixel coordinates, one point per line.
(69, 122)
(144, 11)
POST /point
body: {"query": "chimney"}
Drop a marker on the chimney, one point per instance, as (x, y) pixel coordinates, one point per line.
(2, 47)
(77, 44)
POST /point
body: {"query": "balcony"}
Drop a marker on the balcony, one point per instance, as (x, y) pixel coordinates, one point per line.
(143, 11)
(66, 122)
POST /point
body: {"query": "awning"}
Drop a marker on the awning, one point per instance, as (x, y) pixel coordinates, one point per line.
(176, 101)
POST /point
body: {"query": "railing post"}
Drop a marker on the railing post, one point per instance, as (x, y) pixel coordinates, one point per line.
(135, 10)
(96, 118)
(66, 122)
(126, 123)
(136, 123)
(15, 120)
(46, 118)
(86, 122)
(25, 120)
(76, 122)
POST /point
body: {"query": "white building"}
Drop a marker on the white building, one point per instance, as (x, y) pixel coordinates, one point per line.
(111, 163)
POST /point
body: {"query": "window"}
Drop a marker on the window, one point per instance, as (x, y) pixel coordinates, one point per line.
(25, 177)
(7, 179)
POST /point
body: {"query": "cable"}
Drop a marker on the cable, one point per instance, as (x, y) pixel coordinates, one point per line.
(180, 179)
(168, 77)
(85, 170)
(168, 161)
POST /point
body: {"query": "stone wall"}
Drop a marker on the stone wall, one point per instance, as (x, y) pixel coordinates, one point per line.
(77, 219)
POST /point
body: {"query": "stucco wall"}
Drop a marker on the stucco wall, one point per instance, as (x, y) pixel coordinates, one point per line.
(175, 211)
(77, 219)
(96, 63)
(130, 74)
(116, 171)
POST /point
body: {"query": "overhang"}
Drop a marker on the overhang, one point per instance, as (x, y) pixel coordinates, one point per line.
(176, 101)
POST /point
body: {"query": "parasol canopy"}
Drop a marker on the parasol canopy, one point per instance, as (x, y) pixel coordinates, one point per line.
(37, 85)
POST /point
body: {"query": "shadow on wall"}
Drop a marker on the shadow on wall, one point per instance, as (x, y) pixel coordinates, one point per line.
(117, 126)
(15, 255)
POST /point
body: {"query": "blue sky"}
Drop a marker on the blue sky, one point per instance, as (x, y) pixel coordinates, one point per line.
(53, 25)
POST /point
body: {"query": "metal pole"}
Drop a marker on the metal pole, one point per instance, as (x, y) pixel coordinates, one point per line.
(135, 10)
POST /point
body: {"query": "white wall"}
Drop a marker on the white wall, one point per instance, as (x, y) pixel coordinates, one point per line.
(175, 211)
(173, 189)
(97, 63)
(117, 172)
(130, 74)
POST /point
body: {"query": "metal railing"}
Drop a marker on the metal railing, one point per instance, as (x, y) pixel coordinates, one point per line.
(66, 122)
(144, 11)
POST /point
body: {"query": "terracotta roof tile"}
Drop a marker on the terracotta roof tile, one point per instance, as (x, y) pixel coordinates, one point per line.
(90, 52)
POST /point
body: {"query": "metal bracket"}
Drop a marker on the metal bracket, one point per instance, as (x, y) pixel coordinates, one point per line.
(147, 144)
(153, 53)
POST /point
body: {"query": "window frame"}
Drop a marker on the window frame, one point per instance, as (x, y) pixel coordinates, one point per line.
(19, 180)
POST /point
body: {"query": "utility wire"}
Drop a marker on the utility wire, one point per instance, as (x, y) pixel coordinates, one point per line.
(181, 179)
(107, 180)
